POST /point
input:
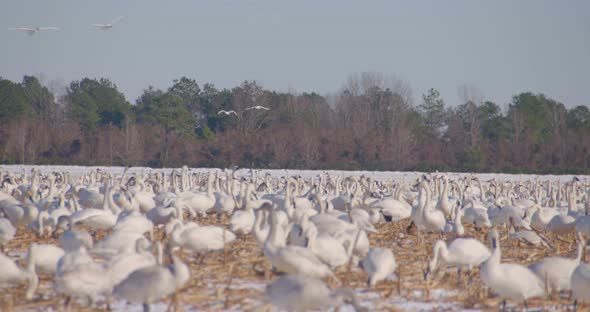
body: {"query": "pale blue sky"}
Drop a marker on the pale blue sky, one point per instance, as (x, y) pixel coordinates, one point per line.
(501, 47)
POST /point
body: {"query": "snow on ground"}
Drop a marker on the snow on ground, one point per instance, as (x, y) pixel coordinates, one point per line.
(378, 175)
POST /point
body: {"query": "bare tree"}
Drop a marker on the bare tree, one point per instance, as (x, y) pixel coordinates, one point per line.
(471, 97)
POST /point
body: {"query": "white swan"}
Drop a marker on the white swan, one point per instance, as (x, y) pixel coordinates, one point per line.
(541, 216)
(580, 283)
(98, 219)
(303, 293)
(72, 259)
(44, 257)
(509, 280)
(242, 221)
(163, 214)
(199, 202)
(60, 210)
(20, 213)
(326, 248)
(227, 112)
(120, 266)
(443, 203)
(432, 220)
(72, 238)
(10, 273)
(557, 271)
(117, 242)
(199, 238)
(225, 202)
(261, 228)
(531, 238)
(85, 280)
(258, 107)
(379, 264)
(455, 225)
(133, 221)
(7, 232)
(152, 283)
(108, 25)
(562, 224)
(291, 259)
(32, 30)
(463, 253)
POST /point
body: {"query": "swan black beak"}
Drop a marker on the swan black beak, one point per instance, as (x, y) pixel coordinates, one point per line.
(387, 218)
(426, 274)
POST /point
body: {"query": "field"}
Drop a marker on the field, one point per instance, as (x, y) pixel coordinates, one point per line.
(235, 278)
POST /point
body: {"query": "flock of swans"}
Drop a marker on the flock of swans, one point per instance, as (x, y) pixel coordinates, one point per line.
(33, 30)
(306, 230)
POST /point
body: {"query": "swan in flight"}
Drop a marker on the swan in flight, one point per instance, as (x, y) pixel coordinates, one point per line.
(33, 30)
(109, 25)
(258, 107)
(227, 113)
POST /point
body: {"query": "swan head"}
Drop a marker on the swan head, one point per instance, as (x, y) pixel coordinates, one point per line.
(172, 226)
(63, 223)
(432, 264)
(141, 245)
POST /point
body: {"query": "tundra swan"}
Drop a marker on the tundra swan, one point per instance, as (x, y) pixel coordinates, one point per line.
(241, 221)
(133, 221)
(291, 259)
(580, 283)
(120, 266)
(258, 107)
(10, 273)
(152, 283)
(432, 220)
(108, 25)
(326, 248)
(98, 219)
(44, 257)
(557, 271)
(463, 253)
(200, 238)
(32, 30)
(84, 281)
(72, 238)
(509, 280)
(163, 214)
(116, 243)
(227, 112)
(303, 293)
(379, 264)
(455, 225)
(7, 232)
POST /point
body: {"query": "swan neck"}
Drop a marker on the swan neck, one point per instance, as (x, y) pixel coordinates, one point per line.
(440, 250)
(311, 238)
(580, 251)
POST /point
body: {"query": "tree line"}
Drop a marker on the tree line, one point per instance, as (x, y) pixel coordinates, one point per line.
(372, 123)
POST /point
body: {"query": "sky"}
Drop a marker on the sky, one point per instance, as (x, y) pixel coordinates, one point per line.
(501, 48)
